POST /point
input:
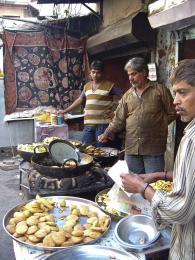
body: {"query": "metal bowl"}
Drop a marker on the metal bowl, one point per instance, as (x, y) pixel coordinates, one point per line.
(136, 232)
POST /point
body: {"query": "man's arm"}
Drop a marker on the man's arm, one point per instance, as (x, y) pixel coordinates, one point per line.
(75, 104)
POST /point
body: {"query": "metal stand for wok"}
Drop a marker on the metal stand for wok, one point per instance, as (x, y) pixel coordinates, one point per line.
(88, 192)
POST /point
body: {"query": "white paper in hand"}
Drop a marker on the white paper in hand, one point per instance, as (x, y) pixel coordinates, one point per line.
(115, 172)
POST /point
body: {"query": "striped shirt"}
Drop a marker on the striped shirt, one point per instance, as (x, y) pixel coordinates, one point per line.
(98, 102)
(178, 206)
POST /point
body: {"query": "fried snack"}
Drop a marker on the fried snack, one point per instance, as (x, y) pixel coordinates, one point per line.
(77, 233)
(70, 222)
(33, 238)
(41, 233)
(21, 228)
(72, 218)
(32, 229)
(76, 212)
(31, 221)
(84, 210)
(79, 227)
(48, 241)
(23, 238)
(69, 242)
(72, 207)
(62, 203)
(44, 201)
(58, 237)
(91, 233)
(68, 229)
(76, 240)
(19, 216)
(92, 214)
(11, 228)
(12, 221)
(162, 185)
(87, 239)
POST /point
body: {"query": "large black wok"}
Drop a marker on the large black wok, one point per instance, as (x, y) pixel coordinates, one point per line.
(28, 155)
(44, 164)
(109, 157)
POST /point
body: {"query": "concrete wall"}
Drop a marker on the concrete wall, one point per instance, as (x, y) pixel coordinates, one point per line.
(116, 10)
(13, 10)
(166, 58)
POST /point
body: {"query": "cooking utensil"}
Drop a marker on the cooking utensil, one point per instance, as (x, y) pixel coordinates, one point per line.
(62, 150)
(58, 214)
(47, 167)
(28, 155)
(136, 232)
(93, 252)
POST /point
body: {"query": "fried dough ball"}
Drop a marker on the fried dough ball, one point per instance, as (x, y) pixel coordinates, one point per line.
(31, 221)
(92, 214)
(23, 238)
(68, 229)
(77, 233)
(79, 227)
(76, 240)
(71, 223)
(92, 220)
(91, 233)
(27, 213)
(62, 203)
(72, 207)
(69, 242)
(84, 210)
(58, 237)
(41, 233)
(19, 216)
(72, 218)
(11, 228)
(76, 212)
(12, 222)
(21, 228)
(31, 230)
(87, 239)
(48, 241)
(33, 238)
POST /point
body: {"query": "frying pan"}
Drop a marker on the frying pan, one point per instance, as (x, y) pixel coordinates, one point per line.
(109, 158)
(45, 164)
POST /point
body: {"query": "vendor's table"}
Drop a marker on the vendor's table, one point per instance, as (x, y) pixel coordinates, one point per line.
(43, 130)
(24, 253)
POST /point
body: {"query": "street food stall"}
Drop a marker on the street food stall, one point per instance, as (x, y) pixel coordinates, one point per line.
(64, 219)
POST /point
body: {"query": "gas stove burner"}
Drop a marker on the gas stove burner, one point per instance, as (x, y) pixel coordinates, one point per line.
(92, 180)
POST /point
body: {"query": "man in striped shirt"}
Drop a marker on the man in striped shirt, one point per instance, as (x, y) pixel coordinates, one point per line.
(98, 96)
(177, 207)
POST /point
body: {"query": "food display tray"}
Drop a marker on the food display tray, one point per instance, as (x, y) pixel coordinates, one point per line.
(93, 252)
(58, 215)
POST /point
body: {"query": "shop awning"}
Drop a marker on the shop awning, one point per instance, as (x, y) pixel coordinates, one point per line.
(125, 33)
(175, 17)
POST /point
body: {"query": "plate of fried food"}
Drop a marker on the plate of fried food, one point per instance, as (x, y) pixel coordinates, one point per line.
(57, 222)
(166, 186)
(103, 201)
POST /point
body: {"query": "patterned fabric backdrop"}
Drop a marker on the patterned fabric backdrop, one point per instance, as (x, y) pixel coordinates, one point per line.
(43, 70)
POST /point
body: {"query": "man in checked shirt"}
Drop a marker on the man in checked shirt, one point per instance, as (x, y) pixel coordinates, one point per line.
(177, 207)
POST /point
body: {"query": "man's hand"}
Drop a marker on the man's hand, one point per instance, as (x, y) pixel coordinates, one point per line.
(103, 138)
(150, 177)
(132, 183)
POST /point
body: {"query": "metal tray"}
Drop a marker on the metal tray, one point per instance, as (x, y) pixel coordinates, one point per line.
(92, 252)
(103, 205)
(57, 214)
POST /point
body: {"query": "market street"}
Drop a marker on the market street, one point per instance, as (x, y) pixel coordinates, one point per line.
(10, 197)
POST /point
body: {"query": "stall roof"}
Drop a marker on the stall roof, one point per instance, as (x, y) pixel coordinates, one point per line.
(67, 1)
(128, 32)
(175, 17)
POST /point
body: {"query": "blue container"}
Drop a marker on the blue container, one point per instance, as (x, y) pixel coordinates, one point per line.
(59, 119)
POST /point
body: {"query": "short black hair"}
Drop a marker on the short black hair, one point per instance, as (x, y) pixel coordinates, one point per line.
(185, 71)
(97, 65)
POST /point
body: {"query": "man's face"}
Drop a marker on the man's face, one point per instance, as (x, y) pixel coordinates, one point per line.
(184, 100)
(136, 78)
(96, 75)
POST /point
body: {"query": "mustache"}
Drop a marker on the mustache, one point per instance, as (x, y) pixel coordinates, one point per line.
(179, 109)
